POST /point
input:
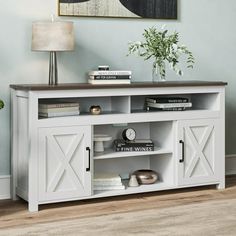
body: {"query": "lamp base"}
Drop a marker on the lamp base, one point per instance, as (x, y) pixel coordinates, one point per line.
(53, 74)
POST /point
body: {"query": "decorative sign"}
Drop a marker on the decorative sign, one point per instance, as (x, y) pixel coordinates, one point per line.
(155, 9)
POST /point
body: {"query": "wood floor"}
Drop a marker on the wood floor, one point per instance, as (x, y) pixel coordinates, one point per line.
(14, 215)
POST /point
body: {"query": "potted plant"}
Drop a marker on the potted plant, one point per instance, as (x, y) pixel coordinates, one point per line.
(163, 48)
(1, 104)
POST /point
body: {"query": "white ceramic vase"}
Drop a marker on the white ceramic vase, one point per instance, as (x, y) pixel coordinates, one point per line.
(133, 182)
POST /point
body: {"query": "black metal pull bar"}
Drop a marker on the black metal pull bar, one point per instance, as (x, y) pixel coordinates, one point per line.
(182, 159)
(88, 149)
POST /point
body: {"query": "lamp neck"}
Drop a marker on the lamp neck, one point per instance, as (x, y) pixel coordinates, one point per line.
(53, 74)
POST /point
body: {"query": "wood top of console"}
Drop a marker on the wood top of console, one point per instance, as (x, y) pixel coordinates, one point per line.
(71, 86)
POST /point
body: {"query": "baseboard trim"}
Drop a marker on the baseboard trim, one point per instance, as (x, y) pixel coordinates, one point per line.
(230, 156)
(230, 164)
(5, 183)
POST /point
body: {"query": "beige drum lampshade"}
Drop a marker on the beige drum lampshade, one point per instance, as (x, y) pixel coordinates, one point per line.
(53, 36)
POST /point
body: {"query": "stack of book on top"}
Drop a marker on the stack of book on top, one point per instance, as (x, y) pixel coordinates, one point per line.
(55, 108)
(167, 103)
(109, 77)
(107, 181)
(138, 145)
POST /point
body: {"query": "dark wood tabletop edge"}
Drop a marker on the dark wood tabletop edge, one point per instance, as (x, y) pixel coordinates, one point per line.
(71, 86)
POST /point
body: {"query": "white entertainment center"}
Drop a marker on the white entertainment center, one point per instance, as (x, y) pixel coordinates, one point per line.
(53, 159)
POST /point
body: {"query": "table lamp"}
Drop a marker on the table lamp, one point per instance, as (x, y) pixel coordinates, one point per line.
(53, 36)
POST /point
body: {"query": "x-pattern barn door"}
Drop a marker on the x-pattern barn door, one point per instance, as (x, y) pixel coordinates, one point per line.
(63, 162)
(198, 151)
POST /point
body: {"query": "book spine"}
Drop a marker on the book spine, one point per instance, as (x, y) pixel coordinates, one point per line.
(104, 81)
(59, 105)
(107, 183)
(134, 149)
(101, 188)
(109, 180)
(57, 114)
(167, 100)
(109, 77)
(166, 109)
(110, 72)
(174, 109)
(134, 145)
(169, 105)
(118, 143)
(61, 109)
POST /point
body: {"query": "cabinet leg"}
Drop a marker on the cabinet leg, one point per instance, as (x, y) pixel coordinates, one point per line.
(15, 197)
(220, 185)
(33, 207)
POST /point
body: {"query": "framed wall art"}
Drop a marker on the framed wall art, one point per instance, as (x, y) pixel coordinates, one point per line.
(155, 9)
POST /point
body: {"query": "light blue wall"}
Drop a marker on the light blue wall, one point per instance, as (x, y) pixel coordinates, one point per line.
(207, 27)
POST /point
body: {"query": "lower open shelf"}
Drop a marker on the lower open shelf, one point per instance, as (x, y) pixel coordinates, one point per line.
(131, 190)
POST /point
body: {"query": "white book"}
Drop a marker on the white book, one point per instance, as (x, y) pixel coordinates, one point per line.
(110, 72)
(114, 81)
(103, 188)
(107, 184)
(59, 109)
(58, 114)
(109, 77)
(169, 105)
(57, 103)
(107, 177)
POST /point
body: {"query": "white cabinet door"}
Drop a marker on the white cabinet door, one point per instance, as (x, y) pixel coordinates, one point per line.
(198, 151)
(64, 163)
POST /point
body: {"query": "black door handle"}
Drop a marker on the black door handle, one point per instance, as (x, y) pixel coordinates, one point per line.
(182, 158)
(88, 149)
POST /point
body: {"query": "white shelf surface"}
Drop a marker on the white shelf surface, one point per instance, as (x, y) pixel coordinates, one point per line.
(127, 117)
(110, 153)
(188, 111)
(131, 190)
(88, 114)
(102, 113)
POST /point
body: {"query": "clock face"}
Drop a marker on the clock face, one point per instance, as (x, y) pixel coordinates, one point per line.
(129, 134)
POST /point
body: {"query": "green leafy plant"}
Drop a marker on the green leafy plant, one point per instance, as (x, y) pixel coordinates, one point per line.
(163, 48)
(1, 104)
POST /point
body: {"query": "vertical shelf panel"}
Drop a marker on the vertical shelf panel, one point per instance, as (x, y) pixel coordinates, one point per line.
(121, 104)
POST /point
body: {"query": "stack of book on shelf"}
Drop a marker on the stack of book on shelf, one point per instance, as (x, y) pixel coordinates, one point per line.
(55, 108)
(138, 145)
(109, 77)
(107, 181)
(167, 103)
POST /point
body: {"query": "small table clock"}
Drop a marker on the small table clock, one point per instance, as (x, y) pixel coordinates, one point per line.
(129, 134)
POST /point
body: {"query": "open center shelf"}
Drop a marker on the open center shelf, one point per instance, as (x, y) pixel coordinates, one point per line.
(109, 153)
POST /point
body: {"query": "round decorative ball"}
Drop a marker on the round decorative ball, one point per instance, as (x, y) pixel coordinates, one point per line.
(95, 110)
(146, 176)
